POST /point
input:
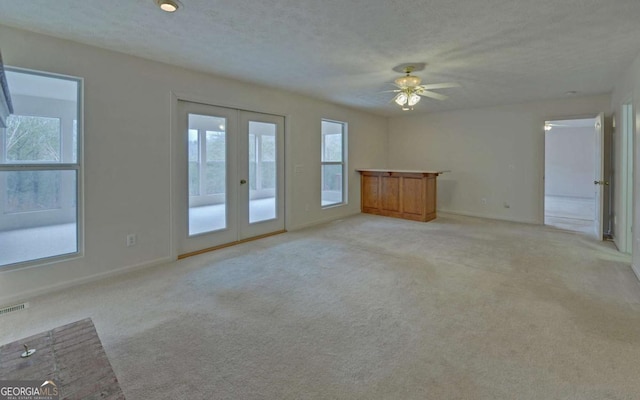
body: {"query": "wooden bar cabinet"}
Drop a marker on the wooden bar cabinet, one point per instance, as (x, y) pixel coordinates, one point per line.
(399, 193)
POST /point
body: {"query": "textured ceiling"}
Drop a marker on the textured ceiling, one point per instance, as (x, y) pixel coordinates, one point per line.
(500, 51)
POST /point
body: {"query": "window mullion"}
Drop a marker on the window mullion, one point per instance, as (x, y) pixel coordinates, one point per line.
(38, 167)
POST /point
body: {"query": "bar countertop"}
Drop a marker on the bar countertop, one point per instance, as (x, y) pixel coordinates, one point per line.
(401, 171)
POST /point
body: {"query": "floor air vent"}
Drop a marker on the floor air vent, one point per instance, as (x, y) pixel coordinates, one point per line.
(17, 307)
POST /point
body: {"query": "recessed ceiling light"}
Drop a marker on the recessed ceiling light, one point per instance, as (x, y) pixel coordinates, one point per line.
(168, 5)
(571, 93)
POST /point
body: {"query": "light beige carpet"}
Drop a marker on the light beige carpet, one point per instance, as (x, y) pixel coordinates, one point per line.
(370, 308)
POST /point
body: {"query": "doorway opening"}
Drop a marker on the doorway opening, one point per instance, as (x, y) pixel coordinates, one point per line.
(571, 160)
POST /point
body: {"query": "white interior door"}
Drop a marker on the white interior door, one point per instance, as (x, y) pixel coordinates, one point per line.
(598, 180)
(229, 176)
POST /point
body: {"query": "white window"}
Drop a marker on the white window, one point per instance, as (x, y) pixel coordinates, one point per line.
(334, 136)
(40, 168)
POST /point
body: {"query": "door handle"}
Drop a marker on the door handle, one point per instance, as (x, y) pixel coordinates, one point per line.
(604, 183)
(243, 181)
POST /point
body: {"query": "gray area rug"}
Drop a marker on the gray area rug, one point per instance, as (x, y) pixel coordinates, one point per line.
(371, 308)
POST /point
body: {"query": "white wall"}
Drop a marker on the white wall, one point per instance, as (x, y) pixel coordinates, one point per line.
(627, 88)
(127, 152)
(496, 154)
(569, 162)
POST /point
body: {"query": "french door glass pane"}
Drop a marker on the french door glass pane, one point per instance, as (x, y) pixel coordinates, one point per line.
(268, 162)
(40, 215)
(262, 171)
(331, 184)
(216, 164)
(207, 157)
(194, 163)
(253, 161)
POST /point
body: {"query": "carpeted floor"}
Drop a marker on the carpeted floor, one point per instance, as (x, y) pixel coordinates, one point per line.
(370, 308)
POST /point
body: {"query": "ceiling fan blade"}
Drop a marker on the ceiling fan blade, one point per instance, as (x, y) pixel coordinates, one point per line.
(441, 85)
(433, 95)
(391, 91)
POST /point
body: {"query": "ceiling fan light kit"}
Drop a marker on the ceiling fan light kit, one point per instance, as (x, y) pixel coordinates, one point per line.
(407, 99)
(409, 90)
(401, 98)
(408, 81)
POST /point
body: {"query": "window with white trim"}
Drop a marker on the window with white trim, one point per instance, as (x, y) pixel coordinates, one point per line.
(40, 174)
(333, 160)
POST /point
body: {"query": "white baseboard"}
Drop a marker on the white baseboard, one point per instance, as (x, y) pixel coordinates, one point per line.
(488, 216)
(636, 270)
(616, 243)
(27, 295)
(463, 213)
(321, 221)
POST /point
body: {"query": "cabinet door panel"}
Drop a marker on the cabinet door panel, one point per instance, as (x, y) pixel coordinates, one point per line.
(430, 201)
(390, 196)
(413, 195)
(370, 191)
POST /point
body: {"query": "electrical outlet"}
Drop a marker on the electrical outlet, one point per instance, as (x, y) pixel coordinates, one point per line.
(483, 201)
(131, 239)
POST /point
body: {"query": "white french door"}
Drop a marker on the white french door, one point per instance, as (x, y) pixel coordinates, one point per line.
(229, 176)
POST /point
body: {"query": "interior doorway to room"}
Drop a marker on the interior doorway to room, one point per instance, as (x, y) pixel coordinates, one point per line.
(573, 169)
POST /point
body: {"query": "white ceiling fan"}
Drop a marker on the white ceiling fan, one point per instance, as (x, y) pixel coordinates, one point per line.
(409, 90)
